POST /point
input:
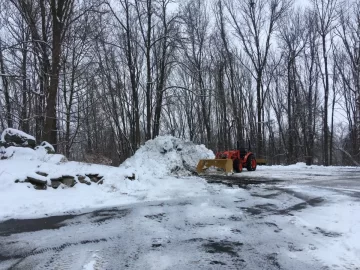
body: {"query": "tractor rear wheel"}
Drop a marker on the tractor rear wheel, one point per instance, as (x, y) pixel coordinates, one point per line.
(237, 166)
(251, 163)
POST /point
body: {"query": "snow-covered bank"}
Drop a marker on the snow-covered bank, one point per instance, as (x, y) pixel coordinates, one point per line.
(156, 167)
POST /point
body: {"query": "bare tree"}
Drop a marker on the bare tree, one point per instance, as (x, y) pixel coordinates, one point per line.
(196, 33)
(326, 13)
(127, 24)
(229, 57)
(347, 62)
(5, 82)
(255, 22)
(311, 83)
(164, 58)
(293, 40)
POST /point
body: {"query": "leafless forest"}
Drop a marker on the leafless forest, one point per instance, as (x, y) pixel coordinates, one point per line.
(97, 78)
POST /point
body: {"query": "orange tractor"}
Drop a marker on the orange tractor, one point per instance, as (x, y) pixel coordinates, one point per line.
(229, 161)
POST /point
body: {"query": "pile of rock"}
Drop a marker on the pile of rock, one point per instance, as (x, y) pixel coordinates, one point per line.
(14, 137)
(18, 138)
(40, 180)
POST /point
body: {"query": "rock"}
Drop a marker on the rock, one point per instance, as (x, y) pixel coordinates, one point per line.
(40, 187)
(4, 153)
(14, 137)
(94, 177)
(55, 183)
(68, 180)
(20, 181)
(36, 181)
(82, 180)
(178, 148)
(42, 173)
(132, 178)
(49, 148)
(101, 182)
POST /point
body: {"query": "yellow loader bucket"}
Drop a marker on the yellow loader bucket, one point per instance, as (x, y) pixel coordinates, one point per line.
(225, 164)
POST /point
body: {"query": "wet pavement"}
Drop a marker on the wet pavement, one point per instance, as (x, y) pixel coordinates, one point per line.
(234, 180)
(242, 224)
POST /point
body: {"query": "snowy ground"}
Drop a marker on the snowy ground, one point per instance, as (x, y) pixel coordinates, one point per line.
(278, 217)
(158, 167)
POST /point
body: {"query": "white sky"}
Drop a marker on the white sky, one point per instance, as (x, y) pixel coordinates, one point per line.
(302, 2)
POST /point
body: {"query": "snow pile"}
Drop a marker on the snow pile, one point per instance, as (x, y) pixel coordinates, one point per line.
(166, 155)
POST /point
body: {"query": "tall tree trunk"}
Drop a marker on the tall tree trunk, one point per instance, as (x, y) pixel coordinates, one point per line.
(5, 82)
(331, 145)
(326, 98)
(24, 122)
(290, 146)
(259, 142)
(50, 130)
(149, 83)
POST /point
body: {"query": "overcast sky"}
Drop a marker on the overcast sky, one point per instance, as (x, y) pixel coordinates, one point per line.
(302, 2)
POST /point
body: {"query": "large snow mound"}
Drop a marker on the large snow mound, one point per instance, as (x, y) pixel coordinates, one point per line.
(166, 155)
